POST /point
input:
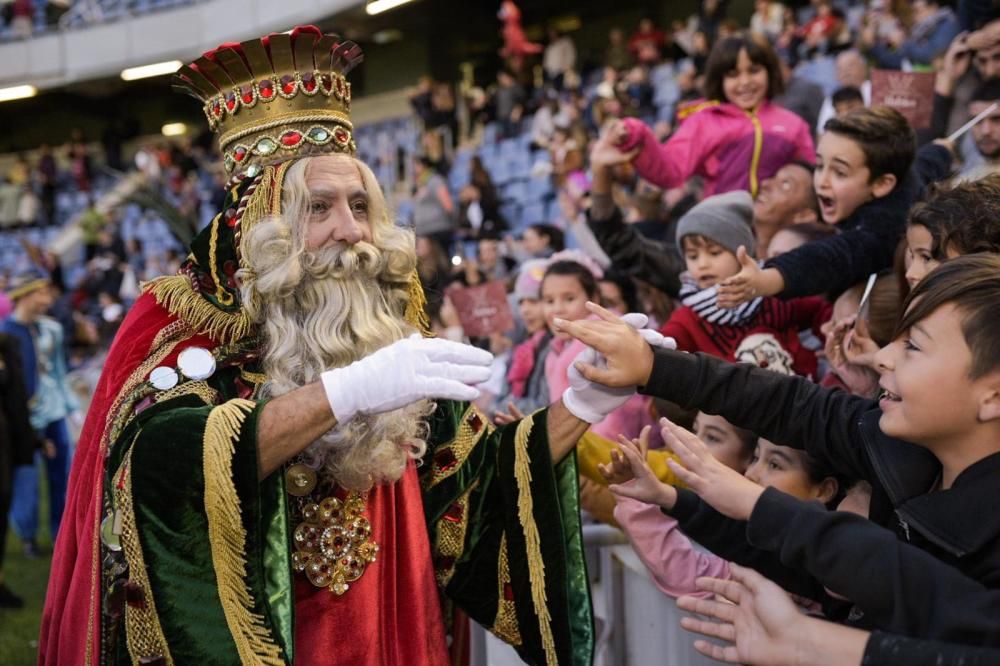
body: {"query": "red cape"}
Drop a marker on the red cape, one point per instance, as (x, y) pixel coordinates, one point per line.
(73, 603)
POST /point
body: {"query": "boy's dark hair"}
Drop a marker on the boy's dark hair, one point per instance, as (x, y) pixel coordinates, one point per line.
(988, 91)
(972, 284)
(557, 240)
(577, 270)
(962, 217)
(724, 55)
(846, 94)
(884, 136)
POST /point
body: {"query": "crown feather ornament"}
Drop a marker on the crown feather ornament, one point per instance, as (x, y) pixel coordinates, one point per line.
(277, 97)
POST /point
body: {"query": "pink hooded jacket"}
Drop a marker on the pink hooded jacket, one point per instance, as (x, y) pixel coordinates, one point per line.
(727, 146)
(671, 558)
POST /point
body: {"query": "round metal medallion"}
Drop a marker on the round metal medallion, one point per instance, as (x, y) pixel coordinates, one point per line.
(163, 378)
(196, 363)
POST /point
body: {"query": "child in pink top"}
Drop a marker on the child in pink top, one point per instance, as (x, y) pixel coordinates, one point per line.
(569, 282)
(734, 140)
(671, 557)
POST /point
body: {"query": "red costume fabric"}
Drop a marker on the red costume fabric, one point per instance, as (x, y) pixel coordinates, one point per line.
(392, 614)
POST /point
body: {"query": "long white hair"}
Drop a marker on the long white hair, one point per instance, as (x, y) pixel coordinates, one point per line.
(325, 309)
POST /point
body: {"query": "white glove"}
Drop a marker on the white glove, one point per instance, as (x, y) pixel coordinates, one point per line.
(592, 402)
(403, 373)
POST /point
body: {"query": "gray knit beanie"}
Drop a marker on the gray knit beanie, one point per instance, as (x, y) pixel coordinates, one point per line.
(723, 218)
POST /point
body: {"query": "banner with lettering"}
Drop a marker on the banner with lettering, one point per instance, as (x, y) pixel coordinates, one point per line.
(910, 93)
(483, 309)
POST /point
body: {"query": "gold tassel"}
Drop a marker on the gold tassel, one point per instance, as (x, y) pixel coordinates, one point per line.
(416, 314)
(227, 536)
(174, 292)
(532, 540)
(265, 201)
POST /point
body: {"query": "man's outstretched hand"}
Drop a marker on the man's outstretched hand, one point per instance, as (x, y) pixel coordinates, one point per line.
(404, 372)
(627, 358)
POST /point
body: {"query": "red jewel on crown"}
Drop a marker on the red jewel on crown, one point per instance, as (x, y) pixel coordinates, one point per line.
(291, 138)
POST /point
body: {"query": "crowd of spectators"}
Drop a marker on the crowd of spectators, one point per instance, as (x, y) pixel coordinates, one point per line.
(835, 267)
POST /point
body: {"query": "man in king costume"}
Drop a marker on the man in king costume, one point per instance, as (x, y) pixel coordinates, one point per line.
(277, 466)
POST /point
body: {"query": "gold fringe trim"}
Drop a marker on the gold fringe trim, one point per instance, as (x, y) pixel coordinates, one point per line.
(174, 292)
(532, 540)
(505, 622)
(227, 536)
(143, 633)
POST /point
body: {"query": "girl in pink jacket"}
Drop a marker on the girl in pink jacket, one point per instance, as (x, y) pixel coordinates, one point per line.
(733, 141)
(673, 561)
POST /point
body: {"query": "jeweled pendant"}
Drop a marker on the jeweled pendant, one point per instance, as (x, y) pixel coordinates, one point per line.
(300, 480)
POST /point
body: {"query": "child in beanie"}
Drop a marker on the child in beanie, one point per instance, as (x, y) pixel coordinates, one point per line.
(709, 236)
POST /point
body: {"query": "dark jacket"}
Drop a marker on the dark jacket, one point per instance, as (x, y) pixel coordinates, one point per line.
(957, 526)
(888, 650)
(898, 587)
(630, 252)
(868, 239)
(17, 438)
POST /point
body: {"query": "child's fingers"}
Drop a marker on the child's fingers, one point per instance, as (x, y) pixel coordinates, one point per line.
(727, 654)
(730, 590)
(690, 479)
(643, 441)
(725, 631)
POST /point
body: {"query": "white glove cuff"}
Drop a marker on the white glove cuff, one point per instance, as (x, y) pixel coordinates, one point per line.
(334, 384)
(579, 409)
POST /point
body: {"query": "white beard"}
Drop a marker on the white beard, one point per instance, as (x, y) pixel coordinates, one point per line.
(325, 310)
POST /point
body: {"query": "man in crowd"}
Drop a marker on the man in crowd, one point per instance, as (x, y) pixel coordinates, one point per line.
(247, 486)
(51, 401)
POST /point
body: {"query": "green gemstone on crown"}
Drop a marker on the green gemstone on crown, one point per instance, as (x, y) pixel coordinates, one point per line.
(318, 134)
(265, 146)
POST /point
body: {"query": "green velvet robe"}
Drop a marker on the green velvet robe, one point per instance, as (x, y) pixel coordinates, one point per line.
(204, 572)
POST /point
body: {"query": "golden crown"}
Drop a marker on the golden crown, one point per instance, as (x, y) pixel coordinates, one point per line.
(280, 96)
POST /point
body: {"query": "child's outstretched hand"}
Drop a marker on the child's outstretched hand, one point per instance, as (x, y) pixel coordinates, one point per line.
(512, 414)
(728, 491)
(629, 474)
(752, 281)
(619, 470)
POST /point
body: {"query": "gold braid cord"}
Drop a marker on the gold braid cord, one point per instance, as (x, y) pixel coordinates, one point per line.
(450, 541)
(505, 623)
(525, 509)
(168, 338)
(227, 537)
(472, 426)
(144, 635)
(199, 388)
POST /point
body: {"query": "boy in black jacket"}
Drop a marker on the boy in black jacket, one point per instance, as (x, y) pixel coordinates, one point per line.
(930, 448)
(865, 181)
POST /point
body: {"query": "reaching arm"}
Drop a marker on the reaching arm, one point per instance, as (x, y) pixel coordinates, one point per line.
(564, 430)
(895, 589)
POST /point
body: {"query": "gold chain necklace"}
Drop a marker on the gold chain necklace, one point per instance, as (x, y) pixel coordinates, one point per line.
(333, 544)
